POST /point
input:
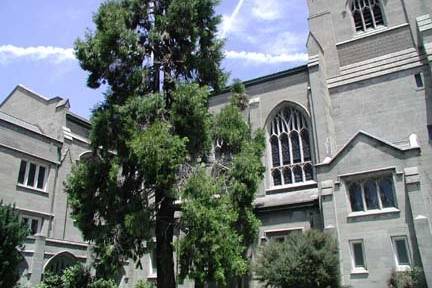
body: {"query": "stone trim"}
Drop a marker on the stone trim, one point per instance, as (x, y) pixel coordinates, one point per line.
(29, 154)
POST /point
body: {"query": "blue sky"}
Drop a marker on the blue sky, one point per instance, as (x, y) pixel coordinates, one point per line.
(37, 36)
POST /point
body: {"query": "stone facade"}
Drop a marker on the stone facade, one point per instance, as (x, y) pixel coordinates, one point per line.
(366, 98)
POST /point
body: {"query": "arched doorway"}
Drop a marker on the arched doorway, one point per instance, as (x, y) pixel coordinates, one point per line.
(58, 263)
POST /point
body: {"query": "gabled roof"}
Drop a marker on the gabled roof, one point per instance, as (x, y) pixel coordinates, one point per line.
(30, 92)
(360, 133)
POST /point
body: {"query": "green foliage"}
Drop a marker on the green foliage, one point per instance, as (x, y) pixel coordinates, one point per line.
(101, 283)
(144, 284)
(308, 260)
(191, 119)
(76, 276)
(413, 278)
(12, 235)
(218, 216)
(51, 281)
(211, 250)
(239, 97)
(143, 134)
(230, 127)
(159, 154)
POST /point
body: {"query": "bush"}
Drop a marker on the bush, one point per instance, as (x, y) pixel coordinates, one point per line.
(413, 278)
(51, 281)
(307, 260)
(101, 283)
(12, 235)
(75, 277)
(144, 284)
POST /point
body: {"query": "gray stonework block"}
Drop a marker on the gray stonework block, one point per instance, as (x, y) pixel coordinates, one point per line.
(38, 260)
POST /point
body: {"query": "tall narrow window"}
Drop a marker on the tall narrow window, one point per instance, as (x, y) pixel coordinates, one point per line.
(367, 14)
(358, 255)
(290, 148)
(400, 248)
(275, 151)
(356, 199)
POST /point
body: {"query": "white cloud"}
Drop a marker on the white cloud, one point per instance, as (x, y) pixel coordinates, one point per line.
(56, 54)
(285, 42)
(264, 58)
(267, 10)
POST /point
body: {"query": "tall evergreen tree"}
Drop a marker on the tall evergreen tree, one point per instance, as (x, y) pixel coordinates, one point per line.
(152, 125)
(218, 210)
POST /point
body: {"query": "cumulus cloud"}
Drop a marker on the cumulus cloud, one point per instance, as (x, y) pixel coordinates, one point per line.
(264, 58)
(56, 54)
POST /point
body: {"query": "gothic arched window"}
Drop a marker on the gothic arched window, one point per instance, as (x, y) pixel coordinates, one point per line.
(367, 14)
(290, 148)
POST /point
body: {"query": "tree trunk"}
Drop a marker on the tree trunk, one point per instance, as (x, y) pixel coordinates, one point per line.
(164, 247)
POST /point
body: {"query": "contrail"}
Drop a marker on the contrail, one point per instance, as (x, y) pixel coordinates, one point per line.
(230, 19)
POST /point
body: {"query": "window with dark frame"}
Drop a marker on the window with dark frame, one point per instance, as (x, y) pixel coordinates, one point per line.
(367, 14)
(32, 175)
(372, 194)
(290, 148)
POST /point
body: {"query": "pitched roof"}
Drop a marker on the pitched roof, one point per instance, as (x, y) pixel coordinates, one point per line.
(360, 133)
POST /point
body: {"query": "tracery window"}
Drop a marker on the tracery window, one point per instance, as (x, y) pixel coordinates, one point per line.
(367, 14)
(290, 147)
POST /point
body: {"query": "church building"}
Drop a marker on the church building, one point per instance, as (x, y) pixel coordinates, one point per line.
(348, 148)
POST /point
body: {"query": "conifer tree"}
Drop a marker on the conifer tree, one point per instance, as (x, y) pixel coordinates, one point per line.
(218, 211)
(152, 125)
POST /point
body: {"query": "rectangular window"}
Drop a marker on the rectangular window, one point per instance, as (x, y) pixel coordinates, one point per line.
(32, 175)
(358, 256)
(33, 223)
(281, 235)
(419, 80)
(372, 194)
(401, 251)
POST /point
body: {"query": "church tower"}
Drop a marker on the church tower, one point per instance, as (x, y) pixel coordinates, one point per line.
(370, 91)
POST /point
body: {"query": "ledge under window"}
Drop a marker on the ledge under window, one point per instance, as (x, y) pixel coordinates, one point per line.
(34, 189)
(358, 271)
(289, 187)
(373, 212)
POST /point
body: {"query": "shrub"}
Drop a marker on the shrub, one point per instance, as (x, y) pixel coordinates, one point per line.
(307, 260)
(12, 235)
(144, 284)
(75, 277)
(413, 278)
(101, 283)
